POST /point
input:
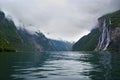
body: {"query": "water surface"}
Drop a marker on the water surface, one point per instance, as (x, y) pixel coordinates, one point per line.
(60, 66)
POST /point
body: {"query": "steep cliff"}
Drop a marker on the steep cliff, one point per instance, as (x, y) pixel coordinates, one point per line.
(105, 37)
(8, 35)
(109, 26)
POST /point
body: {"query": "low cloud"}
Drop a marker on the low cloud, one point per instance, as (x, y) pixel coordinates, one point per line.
(59, 19)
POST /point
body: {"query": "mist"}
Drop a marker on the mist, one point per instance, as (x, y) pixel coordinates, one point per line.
(58, 19)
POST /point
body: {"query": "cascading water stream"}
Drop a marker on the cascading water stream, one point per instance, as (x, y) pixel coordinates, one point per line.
(104, 40)
(108, 39)
(103, 35)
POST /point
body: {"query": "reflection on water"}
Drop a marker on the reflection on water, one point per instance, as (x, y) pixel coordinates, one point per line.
(106, 62)
(60, 66)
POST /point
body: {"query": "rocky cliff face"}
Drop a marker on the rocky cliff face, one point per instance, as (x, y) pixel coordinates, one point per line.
(109, 26)
(105, 37)
(115, 39)
(105, 29)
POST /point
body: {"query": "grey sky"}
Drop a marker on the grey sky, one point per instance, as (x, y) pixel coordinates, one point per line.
(59, 19)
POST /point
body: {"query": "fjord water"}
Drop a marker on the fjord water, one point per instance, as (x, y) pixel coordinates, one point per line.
(60, 66)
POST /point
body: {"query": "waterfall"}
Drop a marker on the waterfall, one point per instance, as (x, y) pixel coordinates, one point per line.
(103, 35)
(110, 22)
(108, 39)
(104, 40)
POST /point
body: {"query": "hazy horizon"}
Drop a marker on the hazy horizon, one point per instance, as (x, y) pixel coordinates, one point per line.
(58, 19)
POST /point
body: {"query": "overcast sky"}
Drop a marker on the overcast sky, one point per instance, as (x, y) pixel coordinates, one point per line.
(59, 19)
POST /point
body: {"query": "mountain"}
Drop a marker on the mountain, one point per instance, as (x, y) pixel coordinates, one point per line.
(13, 39)
(110, 32)
(40, 42)
(8, 34)
(105, 37)
(88, 42)
(60, 45)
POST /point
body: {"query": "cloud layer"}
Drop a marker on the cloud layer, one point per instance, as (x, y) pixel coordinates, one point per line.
(59, 19)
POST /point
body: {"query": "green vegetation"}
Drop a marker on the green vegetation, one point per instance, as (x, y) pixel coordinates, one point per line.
(113, 49)
(4, 46)
(114, 17)
(10, 40)
(13, 39)
(88, 42)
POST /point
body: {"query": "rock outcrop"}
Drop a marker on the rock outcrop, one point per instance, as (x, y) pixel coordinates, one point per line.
(109, 26)
(107, 35)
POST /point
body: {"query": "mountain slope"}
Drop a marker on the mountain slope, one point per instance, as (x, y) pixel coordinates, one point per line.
(105, 37)
(88, 42)
(110, 32)
(13, 39)
(40, 42)
(8, 34)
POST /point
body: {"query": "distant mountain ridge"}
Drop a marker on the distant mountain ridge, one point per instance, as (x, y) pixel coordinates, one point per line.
(105, 37)
(41, 42)
(88, 42)
(13, 39)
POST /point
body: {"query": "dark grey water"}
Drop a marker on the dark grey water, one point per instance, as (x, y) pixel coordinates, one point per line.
(60, 66)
